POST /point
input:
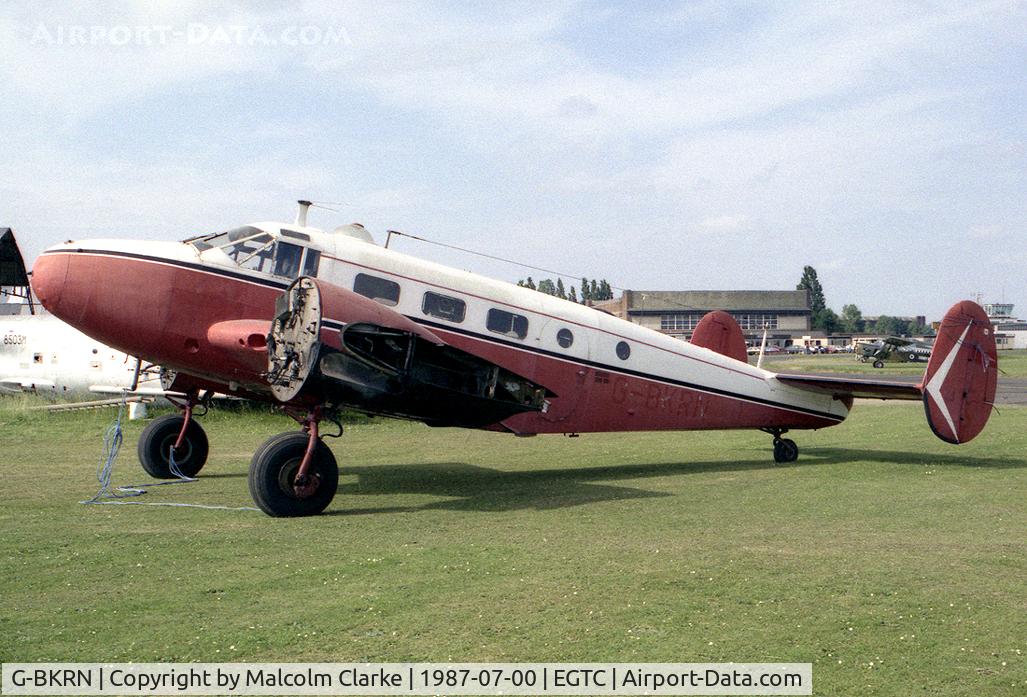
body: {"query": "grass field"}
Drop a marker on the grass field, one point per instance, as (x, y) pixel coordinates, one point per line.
(1011, 363)
(891, 561)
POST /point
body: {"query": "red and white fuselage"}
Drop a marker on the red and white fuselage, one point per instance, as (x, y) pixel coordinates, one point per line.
(160, 300)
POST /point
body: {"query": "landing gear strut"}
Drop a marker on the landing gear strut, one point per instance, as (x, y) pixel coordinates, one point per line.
(294, 474)
(785, 449)
(176, 434)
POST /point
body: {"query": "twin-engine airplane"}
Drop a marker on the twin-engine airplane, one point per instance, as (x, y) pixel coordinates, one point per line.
(316, 322)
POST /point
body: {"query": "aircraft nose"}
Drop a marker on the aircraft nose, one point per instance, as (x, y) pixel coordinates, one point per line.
(48, 278)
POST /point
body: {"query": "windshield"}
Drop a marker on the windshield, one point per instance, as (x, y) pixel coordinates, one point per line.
(218, 239)
(252, 248)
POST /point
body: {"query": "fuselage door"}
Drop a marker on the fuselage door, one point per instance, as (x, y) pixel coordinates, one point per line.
(564, 350)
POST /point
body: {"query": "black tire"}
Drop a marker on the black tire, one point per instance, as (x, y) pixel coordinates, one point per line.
(159, 436)
(273, 471)
(785, 450)
(878, 363)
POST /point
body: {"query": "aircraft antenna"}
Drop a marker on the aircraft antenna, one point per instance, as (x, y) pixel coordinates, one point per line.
(301, 214)
(305, 206)
(763, 347)
(561, 274)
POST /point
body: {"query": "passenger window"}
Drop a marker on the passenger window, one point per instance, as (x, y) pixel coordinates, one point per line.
(311, 263)
(503, 322)
(565, 338)
(444, 307)
(287, 260)
(380, 290)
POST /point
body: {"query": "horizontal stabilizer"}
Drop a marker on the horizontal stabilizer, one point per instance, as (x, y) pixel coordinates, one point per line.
(841, 388)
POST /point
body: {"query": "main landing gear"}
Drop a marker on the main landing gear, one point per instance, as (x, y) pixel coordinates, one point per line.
(174, 435)
(785, 449)
(294, 474)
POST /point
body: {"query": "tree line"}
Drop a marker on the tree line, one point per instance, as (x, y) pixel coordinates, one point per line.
(851, 319)
(591, 290)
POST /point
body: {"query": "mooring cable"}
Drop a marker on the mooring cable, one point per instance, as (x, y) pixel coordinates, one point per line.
(106, 495)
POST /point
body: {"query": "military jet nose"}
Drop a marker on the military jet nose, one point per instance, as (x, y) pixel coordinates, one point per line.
(48, 278)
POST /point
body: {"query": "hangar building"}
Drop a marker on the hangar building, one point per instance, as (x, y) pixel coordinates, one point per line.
(677, 312)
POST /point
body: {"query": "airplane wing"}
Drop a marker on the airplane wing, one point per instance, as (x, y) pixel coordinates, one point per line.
(897, 341)
(840, 387)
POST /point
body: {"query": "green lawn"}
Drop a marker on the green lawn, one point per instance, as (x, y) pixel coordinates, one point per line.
(1011, 363)
(893, 562)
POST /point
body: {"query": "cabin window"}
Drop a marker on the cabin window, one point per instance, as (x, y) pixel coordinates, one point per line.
(444, 307)
(565, 338)
(623, 350)
(287, 260)
(503, 322)
(381, 290)
(311, 262)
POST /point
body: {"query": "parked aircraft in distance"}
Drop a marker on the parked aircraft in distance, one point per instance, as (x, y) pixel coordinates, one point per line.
(893, 348)
(316, 321)
(43, 355)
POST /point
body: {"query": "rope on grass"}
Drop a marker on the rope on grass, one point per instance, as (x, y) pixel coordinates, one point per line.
(107, 495)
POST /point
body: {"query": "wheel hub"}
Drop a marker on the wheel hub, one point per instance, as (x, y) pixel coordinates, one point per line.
(182, 453)
(297, 487)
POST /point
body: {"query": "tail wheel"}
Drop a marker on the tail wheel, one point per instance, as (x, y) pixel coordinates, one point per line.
(273, 472)
(785, 450)
(159, 437)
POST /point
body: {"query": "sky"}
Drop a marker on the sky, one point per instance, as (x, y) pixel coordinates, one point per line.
(662, 145)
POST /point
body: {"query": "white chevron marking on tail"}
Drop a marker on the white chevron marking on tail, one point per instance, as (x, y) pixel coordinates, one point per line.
(933, 388)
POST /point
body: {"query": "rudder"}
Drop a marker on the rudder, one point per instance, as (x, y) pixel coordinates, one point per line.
(718, 331)
(961, 377)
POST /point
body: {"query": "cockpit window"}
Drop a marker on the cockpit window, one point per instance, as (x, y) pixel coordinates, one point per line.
(252, 248)
(311, 263)
(287, 260)
(241, 233)
(205, 242)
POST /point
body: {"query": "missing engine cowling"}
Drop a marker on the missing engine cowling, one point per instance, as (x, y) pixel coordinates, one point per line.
(392, 370)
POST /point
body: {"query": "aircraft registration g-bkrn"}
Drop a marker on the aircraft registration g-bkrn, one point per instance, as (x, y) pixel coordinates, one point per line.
(317, 321)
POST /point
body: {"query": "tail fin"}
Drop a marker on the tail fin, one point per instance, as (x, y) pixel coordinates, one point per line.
(718, 331)
(959, 384)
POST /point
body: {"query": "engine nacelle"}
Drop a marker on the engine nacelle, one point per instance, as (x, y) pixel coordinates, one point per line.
(380, 361)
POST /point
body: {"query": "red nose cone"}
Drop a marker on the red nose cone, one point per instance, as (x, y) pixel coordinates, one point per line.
(48, 277)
